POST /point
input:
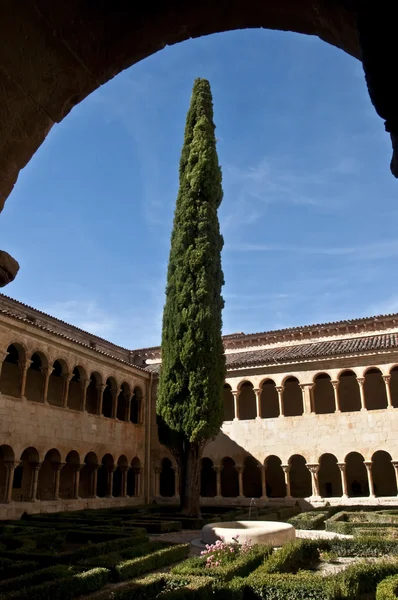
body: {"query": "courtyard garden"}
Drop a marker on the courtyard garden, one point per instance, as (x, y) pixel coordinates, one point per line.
(144, 553)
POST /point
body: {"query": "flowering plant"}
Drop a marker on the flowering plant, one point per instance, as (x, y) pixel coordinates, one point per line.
(221, 552)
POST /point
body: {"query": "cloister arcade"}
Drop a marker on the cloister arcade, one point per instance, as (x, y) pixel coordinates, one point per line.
(34, 378)
(355, 477)
(28, 478)
(349, 391)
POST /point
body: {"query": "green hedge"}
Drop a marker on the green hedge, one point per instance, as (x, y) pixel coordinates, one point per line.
(137, 566)
(305, 586)
(63, 589)
(346, 522)
(388, 588)
(291, 557)
(11, 568)
(363, 577)
(36, 578)
(196, 588)
(241, 567)
(156, 526)
(314, 519)
(114, 558)
(364, 547)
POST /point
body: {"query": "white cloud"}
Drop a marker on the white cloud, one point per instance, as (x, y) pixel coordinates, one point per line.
(84, 314)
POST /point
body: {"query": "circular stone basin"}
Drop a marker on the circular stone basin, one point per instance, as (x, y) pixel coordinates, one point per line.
(258, 532)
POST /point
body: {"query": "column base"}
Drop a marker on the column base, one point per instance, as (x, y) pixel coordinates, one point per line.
(363, 409)
(281, 416)
(390, 408)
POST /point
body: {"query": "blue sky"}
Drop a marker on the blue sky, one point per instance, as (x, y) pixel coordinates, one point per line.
(310, 210)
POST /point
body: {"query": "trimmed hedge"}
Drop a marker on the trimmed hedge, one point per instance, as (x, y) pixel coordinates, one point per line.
(363, 577)
(156, 526)
(197, 588)
(361, 547)
(11, 568)
(305, 586)
(345, 522)
(241, 567)
(388, 588)
(138, 566)
(291, 557)
(63, 589)
(36, 578)
(114, 558)
(314, 519)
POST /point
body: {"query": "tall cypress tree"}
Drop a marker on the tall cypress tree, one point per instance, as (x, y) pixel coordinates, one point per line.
(189, 400)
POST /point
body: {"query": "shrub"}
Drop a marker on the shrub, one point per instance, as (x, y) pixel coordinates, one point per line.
(10, 568)
(156, 526)
(196, 588)
(366, 547)
(35, 578)
(266, 586)
(388, 588)
(137, 566)
(140, 589)
(114, 558)
(291, 557)
(313, 519)
(363, 577)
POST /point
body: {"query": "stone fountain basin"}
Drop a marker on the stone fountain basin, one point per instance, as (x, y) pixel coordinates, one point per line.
(258, 532)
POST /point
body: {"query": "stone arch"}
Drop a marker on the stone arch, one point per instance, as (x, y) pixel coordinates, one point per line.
(251, 478)
(92, 393)
(45, 487)
(292, 398)
(228, 403)
(167, 479)
(323, 395)
(208, 479)
(133, 477)
(275, 477)
(36, 377)
(29, 459)
(300, 477)
(104, 474)
(11, 372)
(76, 389)
(229, 478)
(394, 386)
(329, 477)
(349, 395)
(7, 456)
(86, 484)
(357, 479)
(123, 402)
(68, 475)
(247, 401)
(375, 389)
(109, 397)
(269, 400)
(136, 408)
(117, 484)
(56, 382)
(383, 473)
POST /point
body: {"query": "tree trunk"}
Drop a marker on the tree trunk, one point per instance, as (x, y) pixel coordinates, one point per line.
(190, 505)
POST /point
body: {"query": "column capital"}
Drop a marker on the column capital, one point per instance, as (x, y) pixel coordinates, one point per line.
(307, 385)
(239, 468)
(395, 464)
(279, 388)
(335, 383)
(219, 468)
(101, 386)
(235, 393)
(387, 378)
(368, 464)
(361, 380)
(286, 468)
(342, 466)
(58, 466)
(37, 466)
(67, 376)
(313, 467)
(10, 465)
(158, 470)
(261, 467)
(257, 390)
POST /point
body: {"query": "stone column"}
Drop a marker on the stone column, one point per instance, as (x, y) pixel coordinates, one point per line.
(218, 469)
(76, 481)
(335, 385)
(258, 392)
(85, 383)
(176, 481)
(94, 479)
(361, 381)
(100, 389)
(124, 471)
(67, 380)
(387, 379)
(158, 470)
(313, 469)
(57, 475)
(263, 481)
(127, 414)
(24, 367)
(368, 465)
(240, 468)
(114, 403)
(306, 390)
(10, 468)
(279, 389)
(109, 486)
(395, 465)
(47, 372)
(235, 394)
(286, 470)
(342, 467)
(34, 481)
(141, 411)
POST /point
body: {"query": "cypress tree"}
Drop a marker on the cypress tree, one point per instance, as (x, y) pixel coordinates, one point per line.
(189, 402)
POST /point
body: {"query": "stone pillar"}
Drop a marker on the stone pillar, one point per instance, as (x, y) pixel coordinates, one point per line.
(368, 465)
(94, 479)
(141, 411)
(24, 367)
(34, 481)
(306, 390)
(109, 486)
(387, 379)
(57, 475)
(85, 383)
(67, 380)
(100, 389)
(176, 481)
(263, 481)
(361, 381)
(114, 403)
(279, 389)
(335, 385)
(10, 468)
(286, 470)
(218, 469)
(124, 471)
(158, 470)
(127, 414)
(235, 394)
(47, 372)
(258, 392)
(313, 469)
(342, 467)
(76, 481)
(395, 465)
(240, 468)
